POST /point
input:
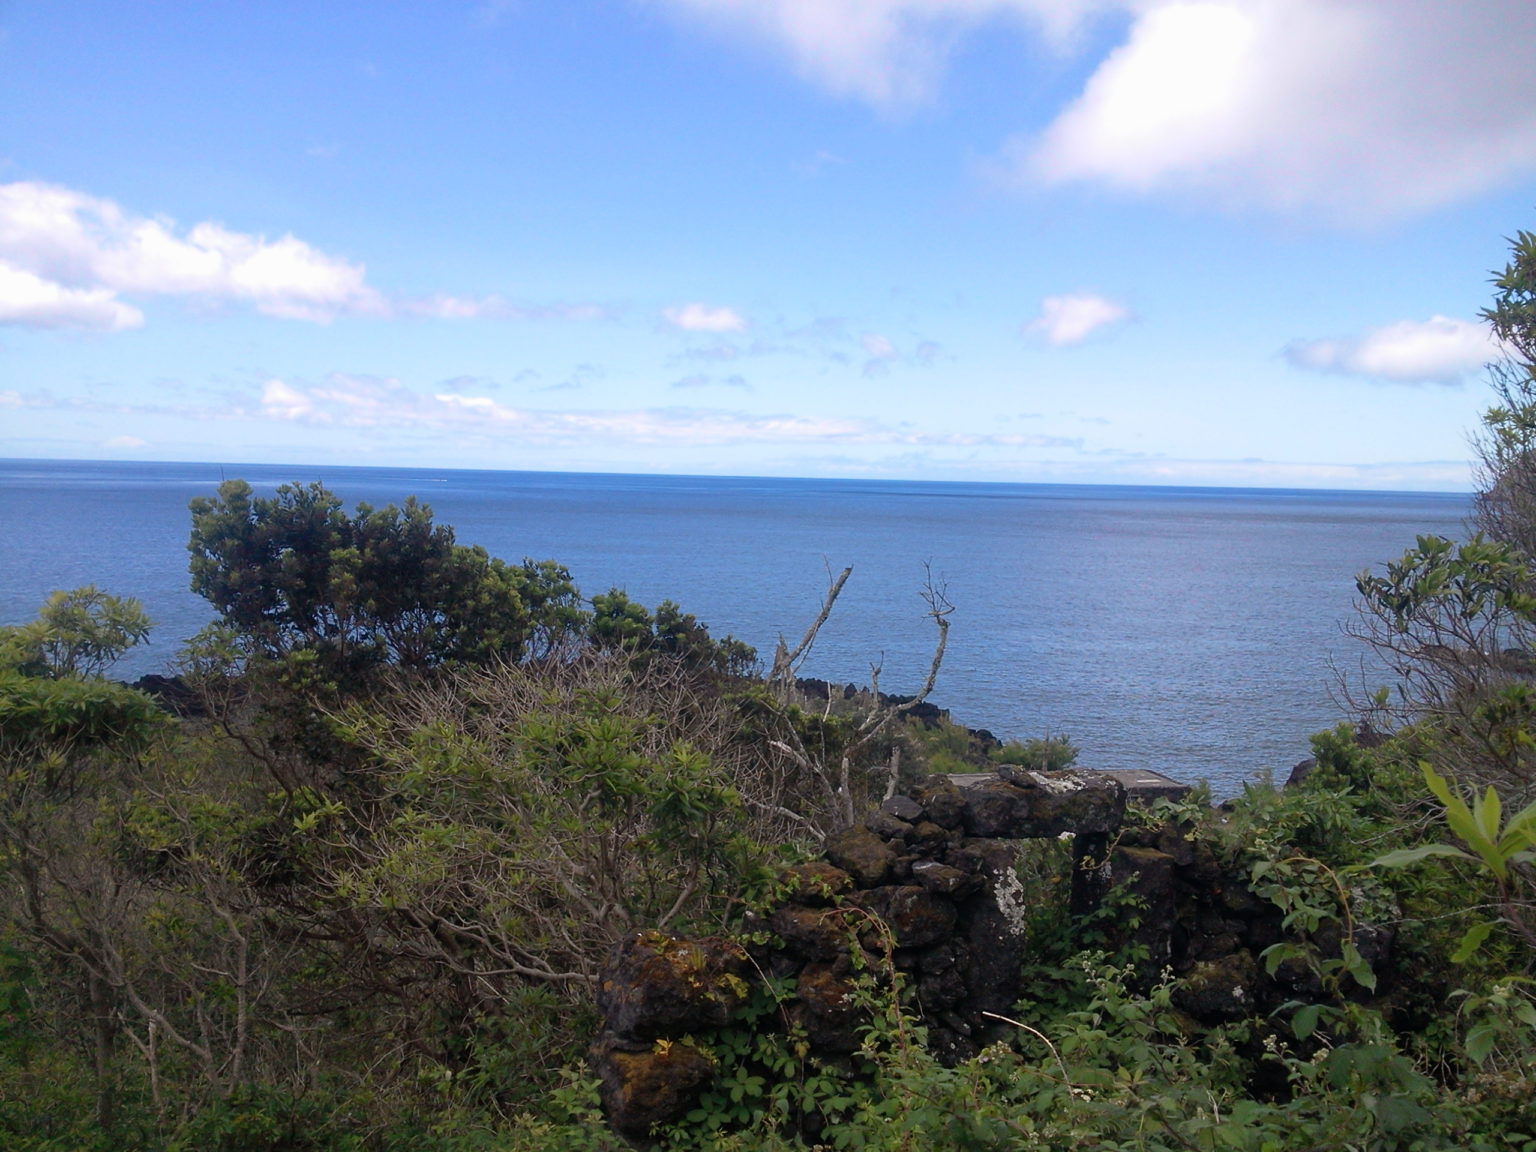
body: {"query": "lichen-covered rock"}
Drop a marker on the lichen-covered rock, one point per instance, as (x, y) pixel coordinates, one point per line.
(813, 933)
(996, 808)
(862, 854)
(916, 916)
(930, 839)
(816, 885)
(1147, 876)
(903, 808)
(826, 1006)
(944, 880)
(660, 985)
(995, 924)
(640, 1089)
(888, 827)
(1026, 803)
(1223, 989)
(942, 801)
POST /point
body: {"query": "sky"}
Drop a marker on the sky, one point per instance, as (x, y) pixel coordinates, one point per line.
(1205, 242)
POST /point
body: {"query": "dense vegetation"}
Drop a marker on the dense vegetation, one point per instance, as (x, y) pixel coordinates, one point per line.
(352, 891)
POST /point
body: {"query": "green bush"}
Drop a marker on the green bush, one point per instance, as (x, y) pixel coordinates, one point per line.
(1043, 754)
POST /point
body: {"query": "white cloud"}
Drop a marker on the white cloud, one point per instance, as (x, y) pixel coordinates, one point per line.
(702, 318)
(1440, 350)
(1353, 110)
(66, 258)
(89, 250)
(30, 301)
(890, 53)
(280, 402)
(445, 307)
(372, 402)
(442, 307)
(124, 444)
(1072, 318)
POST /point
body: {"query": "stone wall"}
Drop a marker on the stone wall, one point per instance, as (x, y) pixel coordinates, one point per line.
(927, 886)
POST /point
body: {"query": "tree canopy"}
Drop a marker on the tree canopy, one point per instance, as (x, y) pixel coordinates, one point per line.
(294, 571)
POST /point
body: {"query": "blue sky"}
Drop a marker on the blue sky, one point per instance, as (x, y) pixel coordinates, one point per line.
(1231, 242)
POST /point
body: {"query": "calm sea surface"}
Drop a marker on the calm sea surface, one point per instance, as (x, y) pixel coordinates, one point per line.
(1193, 631)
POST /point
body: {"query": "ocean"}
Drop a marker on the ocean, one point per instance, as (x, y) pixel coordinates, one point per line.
(1198, 632)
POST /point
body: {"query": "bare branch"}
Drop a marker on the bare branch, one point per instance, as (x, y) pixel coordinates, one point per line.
(786, 662)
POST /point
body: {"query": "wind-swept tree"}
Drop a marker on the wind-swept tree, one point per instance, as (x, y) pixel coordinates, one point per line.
(295, 573)
(1457, 622)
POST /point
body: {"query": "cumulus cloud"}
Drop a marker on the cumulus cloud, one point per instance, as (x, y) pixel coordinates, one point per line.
(67, 258)
(73, 254)
(280, 402)
(30, 301)
(1351, 110)
(1072, 318)
(702, 318)
(1440, 350)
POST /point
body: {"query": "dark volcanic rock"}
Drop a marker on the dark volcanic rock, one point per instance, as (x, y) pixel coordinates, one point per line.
(926, 897)
(903, 808)
(660, 985)
(943, 801)
(994, 921)
(172, 694)
(942, 879)
(656, 1085)
(996, 808)
(888, 827)
(813, 933)
(1148, 876)
(1026, 803)
(1223, 989)
(815, 884)
(861, 854)
(826, 1007)
(917, 917)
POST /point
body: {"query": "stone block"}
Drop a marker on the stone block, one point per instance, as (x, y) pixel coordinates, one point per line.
(861, 854)
(640, 1089)
(659, 985)
(917, 917)
(816, 885)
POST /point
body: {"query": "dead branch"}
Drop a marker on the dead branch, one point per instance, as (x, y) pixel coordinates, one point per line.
(786, 662)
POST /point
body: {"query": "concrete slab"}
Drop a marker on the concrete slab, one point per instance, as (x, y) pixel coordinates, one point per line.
(1139, 783)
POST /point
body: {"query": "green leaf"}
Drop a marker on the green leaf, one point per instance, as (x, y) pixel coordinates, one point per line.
(1490, 812)
(1520, 831)
(1480, 1041)
(1356, 966)
(1304, 1023)
(1471, 942)
(1406, 856)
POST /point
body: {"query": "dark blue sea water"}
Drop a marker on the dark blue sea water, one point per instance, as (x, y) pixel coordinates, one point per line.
(1190, 630)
